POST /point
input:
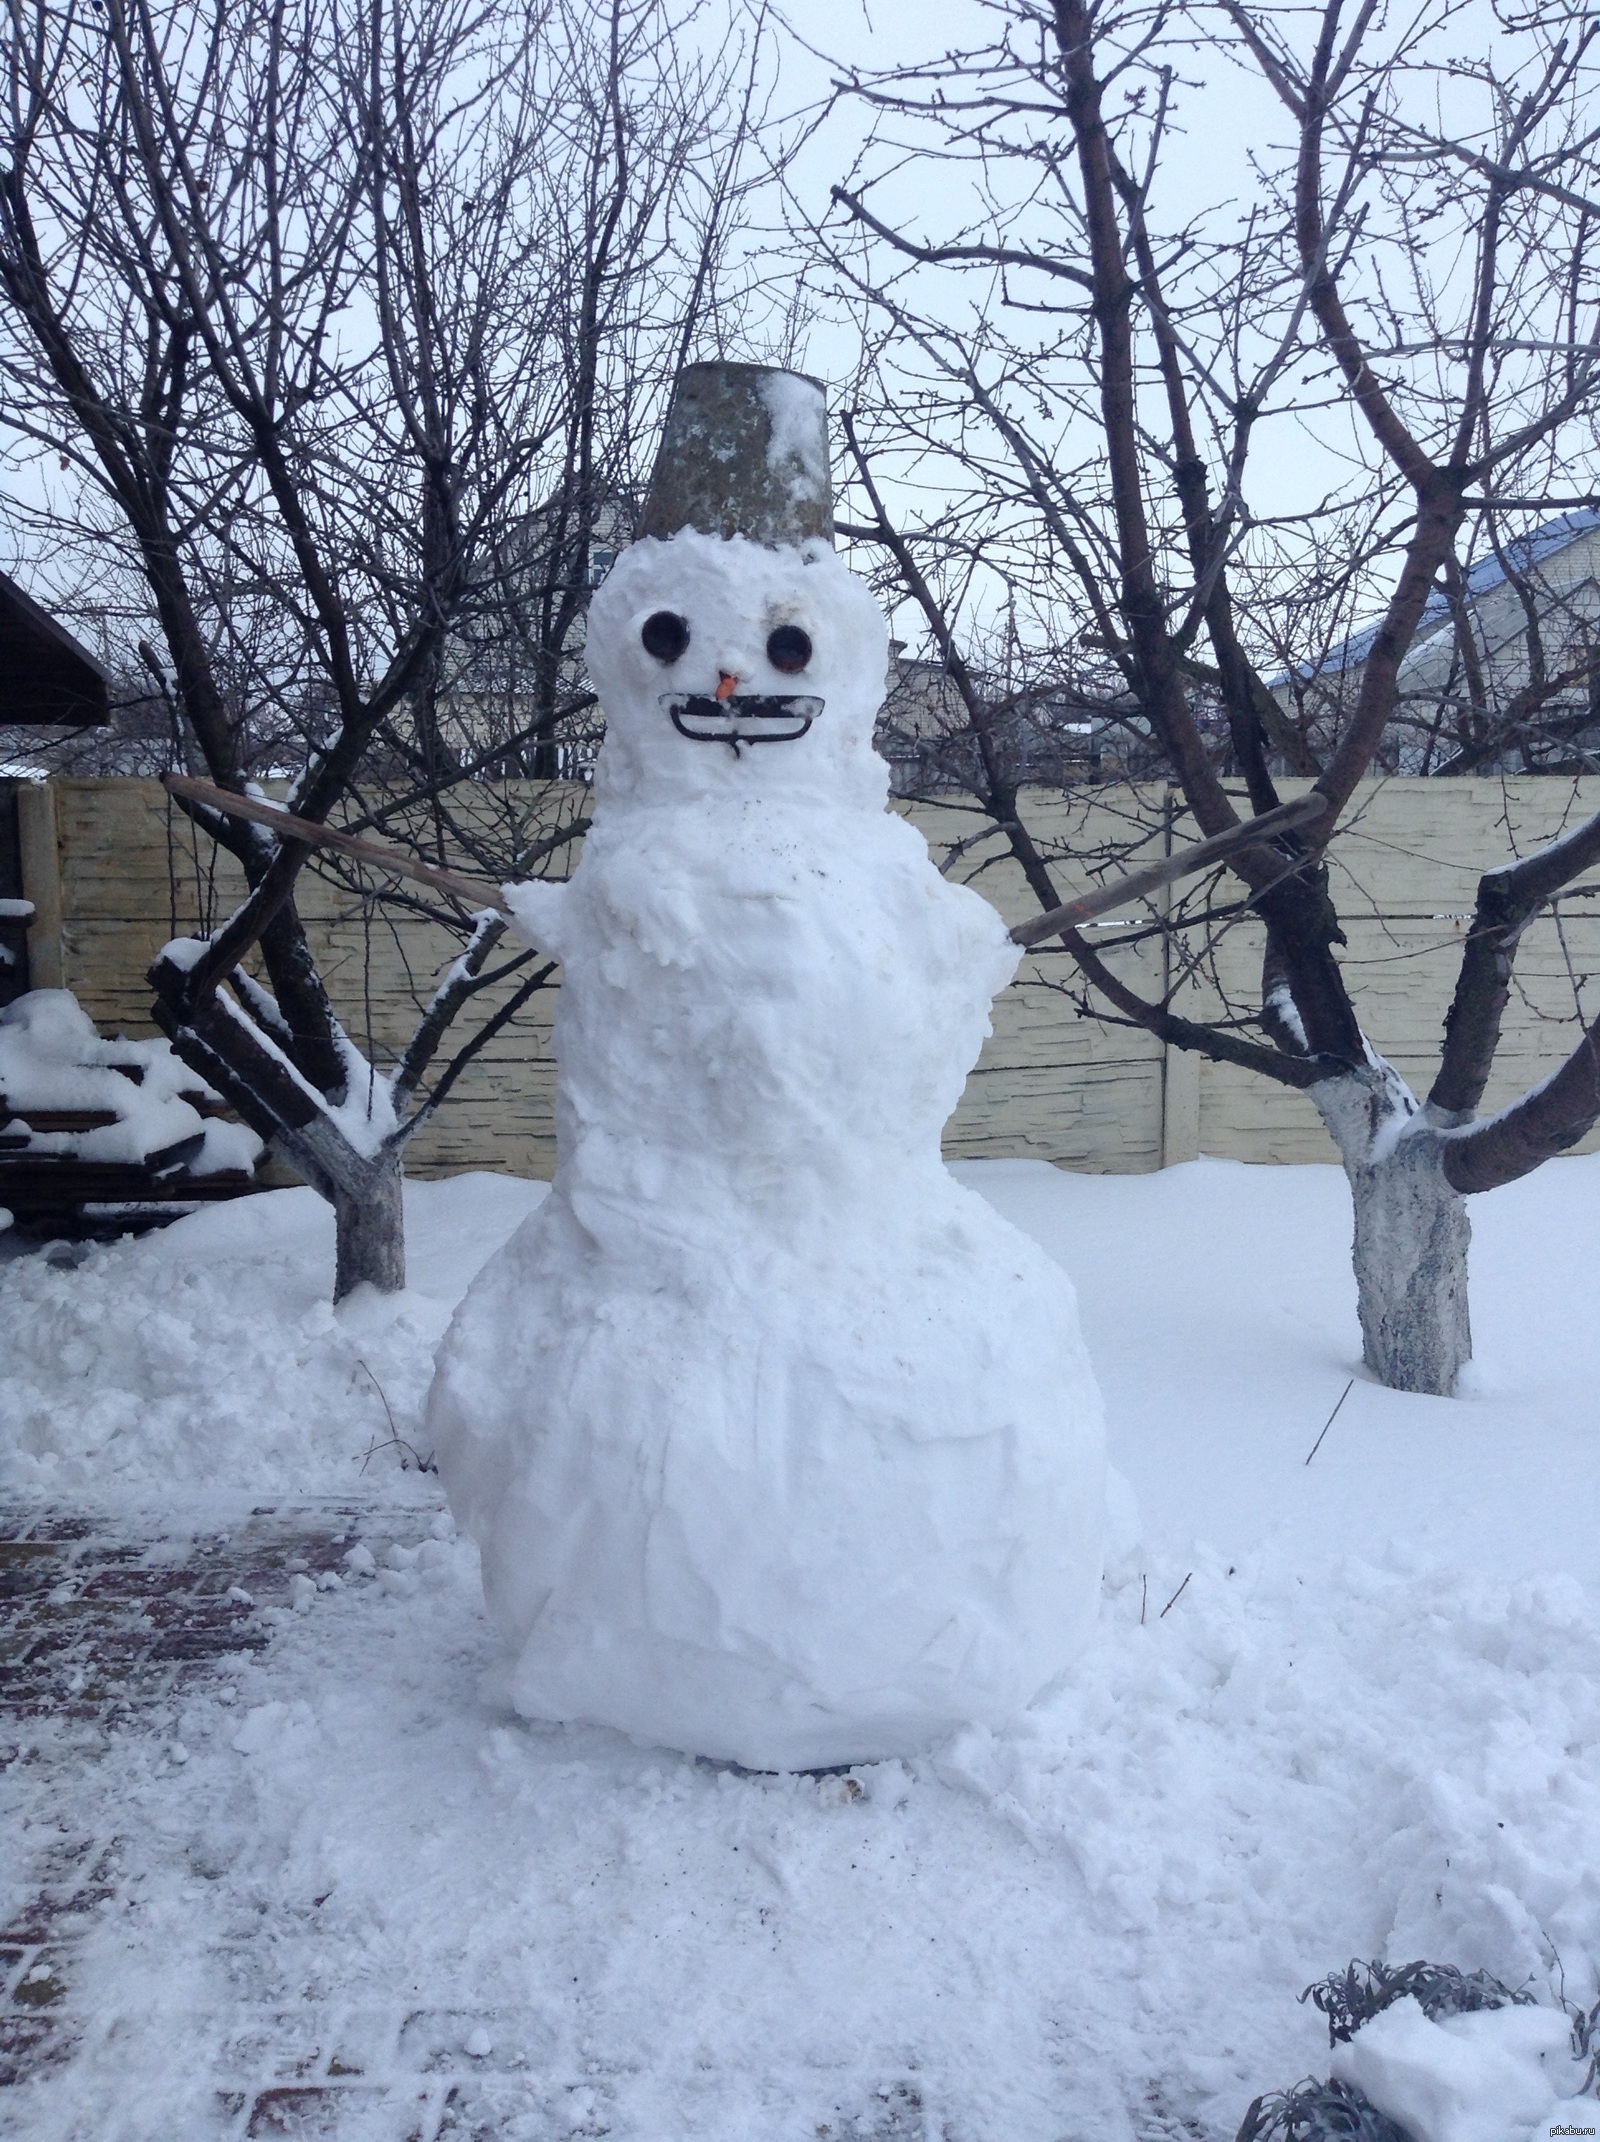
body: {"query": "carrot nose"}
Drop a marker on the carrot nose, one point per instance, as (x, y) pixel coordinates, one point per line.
(726, 685)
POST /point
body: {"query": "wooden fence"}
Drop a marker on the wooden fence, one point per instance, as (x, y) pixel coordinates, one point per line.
(113, 871)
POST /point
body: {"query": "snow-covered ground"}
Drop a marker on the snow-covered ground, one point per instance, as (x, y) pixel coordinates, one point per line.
(207, 1356)
(1338, 1709)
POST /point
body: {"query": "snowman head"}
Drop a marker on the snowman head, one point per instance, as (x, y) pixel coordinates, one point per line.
(726, 666)
(732, 652)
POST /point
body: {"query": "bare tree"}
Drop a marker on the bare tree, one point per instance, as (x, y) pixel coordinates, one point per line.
(1081, 375)
(343, 322)
(1503, 675)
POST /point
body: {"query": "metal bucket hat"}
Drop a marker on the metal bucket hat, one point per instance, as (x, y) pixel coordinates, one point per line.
(745, 452)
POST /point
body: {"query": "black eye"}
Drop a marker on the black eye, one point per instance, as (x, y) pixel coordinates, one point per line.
(666, 635)
(788, 649)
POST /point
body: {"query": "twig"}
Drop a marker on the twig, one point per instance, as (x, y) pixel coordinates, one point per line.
(1177, 1595)
(398, 1442)
(1183, 863)
(474, 894)
(1332, 1417)
(383, 1396)
(396, 1439)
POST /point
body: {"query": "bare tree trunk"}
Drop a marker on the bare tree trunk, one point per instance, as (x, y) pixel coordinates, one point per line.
(366, 1193)
(369, 1224)
(1411, 1230)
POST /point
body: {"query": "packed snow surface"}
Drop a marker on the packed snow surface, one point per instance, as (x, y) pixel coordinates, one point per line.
(780, 1446)
(1368, 1723)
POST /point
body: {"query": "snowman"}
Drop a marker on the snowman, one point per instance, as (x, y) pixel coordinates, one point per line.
(780, 1447)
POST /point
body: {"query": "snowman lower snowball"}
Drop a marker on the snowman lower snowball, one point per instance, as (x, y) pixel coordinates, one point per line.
(779, 1446)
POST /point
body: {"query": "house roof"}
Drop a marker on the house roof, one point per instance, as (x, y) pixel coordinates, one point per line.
(1522, 554)
(47, 678)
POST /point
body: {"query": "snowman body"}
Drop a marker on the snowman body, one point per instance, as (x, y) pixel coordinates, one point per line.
(779, 1446)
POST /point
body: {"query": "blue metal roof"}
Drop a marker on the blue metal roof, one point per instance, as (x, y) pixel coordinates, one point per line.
(1522, 553)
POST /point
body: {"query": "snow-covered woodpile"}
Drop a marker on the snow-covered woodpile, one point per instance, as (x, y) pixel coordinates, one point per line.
(92, 1129)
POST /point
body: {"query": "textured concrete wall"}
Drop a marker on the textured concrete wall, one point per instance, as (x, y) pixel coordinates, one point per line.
(128, 872)
(1405, 872)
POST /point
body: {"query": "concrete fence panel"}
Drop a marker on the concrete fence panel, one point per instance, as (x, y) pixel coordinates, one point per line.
(114, 870)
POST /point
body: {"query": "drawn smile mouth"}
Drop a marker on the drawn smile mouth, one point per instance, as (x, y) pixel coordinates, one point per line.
(748, 718)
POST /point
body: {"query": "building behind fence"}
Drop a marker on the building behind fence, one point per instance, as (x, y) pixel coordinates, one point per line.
(113, 870)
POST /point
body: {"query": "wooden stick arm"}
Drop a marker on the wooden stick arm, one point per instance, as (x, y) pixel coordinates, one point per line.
(478, 893)
(1182, 864)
